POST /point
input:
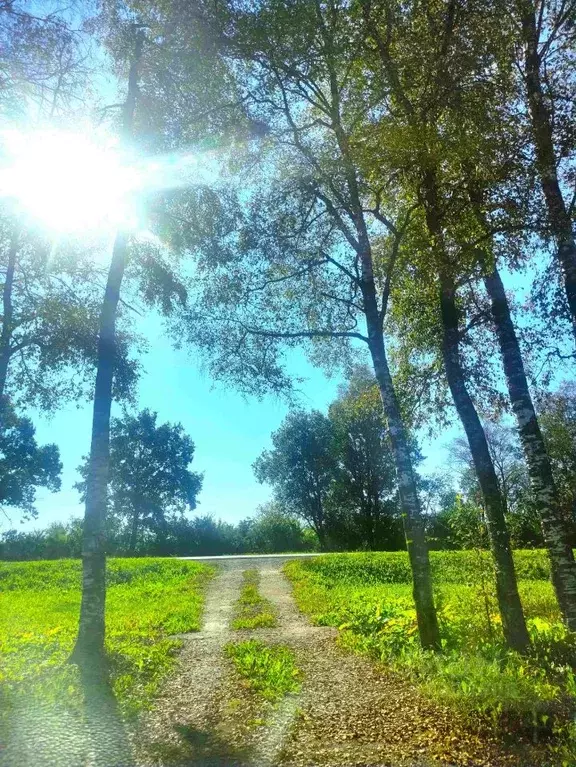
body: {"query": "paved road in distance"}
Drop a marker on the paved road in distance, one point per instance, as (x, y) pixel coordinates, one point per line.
(252, 560)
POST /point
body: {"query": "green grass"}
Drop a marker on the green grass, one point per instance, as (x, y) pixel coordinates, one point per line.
(368, 597)
(252, 610)
(147, 601)
(269, 670)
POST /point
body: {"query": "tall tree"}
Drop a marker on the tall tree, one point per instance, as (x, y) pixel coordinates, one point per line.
(149, 479)
(295, 65)
(89, 648)
(301, 468)
(546, 498)
(423, 106)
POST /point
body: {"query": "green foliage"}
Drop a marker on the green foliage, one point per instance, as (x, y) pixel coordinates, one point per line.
(270, 671)
(393, 567)
(274, 530)
(252, 610)
(301, 466)
(270, 531)
(337, 472)
(148, 600)
(24, 465)
(557, 414)
(150, 478)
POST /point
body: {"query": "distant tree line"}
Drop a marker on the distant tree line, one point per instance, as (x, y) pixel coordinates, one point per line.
(270, 531)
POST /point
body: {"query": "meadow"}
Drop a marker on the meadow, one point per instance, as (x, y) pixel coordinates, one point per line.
(148, 601)
(368, 597)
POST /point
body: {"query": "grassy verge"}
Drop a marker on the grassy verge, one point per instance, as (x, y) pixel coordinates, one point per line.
(368, 597)
(252, 610)
(147, 601)
(270, 671)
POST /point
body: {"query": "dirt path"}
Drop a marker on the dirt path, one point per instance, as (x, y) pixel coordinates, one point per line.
(350, 711)
(180, 729)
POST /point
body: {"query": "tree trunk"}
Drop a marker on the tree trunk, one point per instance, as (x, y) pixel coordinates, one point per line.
(409, 501)
(556, 536)
(134, 531)
(89, 648)
(7, 317)
(546, 161)
(511, 612)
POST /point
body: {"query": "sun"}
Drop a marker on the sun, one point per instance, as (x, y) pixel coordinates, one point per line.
(68, 182)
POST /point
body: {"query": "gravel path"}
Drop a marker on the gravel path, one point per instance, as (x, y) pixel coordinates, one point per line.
(350, 711)
(181, 727)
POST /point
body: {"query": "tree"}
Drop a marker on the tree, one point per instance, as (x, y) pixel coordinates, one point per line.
(557, 413)
(275, 530)
(24, 465)
(50, 308)
(300, 467)
(317, 252)
(43, 62)
(522, 515)
(548, 46)
(422, 111)
(150, 480)
(89, 648)
(364, 493)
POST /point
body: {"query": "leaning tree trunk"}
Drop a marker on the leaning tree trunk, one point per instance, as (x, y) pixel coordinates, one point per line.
(509, 604)
(89, 648)
(546, 161)
(409, 501)
(557, 539)
(7, 319)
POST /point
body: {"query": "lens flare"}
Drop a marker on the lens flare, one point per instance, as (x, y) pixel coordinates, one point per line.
(68, 182)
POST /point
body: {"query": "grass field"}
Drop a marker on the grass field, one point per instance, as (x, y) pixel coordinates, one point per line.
(147, 601)
(368, 597)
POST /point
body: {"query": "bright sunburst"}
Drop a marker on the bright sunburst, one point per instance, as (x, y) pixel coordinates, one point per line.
(68, 182)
